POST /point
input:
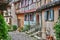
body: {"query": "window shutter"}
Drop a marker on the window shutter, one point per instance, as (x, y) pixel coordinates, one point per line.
(52, 15)
(46, 16)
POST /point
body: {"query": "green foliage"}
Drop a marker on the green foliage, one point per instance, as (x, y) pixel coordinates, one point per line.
(3, 29)
(14, 27)
(9, 28)
(26, 28)
(57, 30)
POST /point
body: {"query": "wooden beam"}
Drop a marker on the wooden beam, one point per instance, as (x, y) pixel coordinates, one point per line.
(49, 5)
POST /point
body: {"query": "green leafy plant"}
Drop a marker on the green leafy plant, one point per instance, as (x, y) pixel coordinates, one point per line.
(26, 28)
(57, 29)
(10, 28)
(3, 29)
(14, 27)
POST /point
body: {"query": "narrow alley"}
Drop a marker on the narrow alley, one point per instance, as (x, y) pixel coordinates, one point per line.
(20, 36)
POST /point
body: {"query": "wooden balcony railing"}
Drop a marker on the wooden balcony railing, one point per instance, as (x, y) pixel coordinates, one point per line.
(32, 6)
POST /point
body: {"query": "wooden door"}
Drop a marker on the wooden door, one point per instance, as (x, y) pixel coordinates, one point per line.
(19, 22)
(59, 13)
(37, 18)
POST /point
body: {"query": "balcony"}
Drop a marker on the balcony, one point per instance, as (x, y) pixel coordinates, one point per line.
(32, 6)
(27, 9)
(21, 10)
(49, 5)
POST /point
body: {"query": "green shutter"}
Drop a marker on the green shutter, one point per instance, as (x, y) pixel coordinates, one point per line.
(52, 14)
(45, 16)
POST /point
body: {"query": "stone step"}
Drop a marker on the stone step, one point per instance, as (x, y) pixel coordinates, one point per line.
(34, 33)
(32, 30)
(39, 38)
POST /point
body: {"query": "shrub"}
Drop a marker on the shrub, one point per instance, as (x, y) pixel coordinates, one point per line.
(9, 28)
(26, 28)
(3, 29)
(20, 29)
(57, 29)
(14, 27)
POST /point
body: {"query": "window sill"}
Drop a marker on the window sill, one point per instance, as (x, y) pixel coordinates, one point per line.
(49, 20)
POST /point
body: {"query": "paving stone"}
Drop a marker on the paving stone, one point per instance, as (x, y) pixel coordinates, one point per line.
(20, 36)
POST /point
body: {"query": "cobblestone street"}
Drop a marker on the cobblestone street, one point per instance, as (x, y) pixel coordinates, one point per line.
(20, 36)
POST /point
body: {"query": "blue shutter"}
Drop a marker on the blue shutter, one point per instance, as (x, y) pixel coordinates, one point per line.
(45, 16)
(52, 14)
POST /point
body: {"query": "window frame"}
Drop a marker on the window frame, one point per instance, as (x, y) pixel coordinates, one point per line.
(59, 12)
(31, 17)
(49, 18)
(26, 17)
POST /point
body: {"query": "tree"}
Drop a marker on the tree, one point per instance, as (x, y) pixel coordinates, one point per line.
(57, 29)
(3, 29)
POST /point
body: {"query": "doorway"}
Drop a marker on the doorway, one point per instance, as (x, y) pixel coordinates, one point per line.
(37, 18)
(59, 12)
(19, 22)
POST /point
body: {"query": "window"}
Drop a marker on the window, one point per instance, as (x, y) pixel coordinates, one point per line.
(9, 12)
(9, 20)
(49, 15)
(38, 4)
(26, 17)
(5, 13)
(34, 0)
(38, 0)
(17, 5)
(55, 0)
(59, 13)
(30, 1)
(26, 2)
(22, 3)
(6, 19)
(31, 17)
(51, 0)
